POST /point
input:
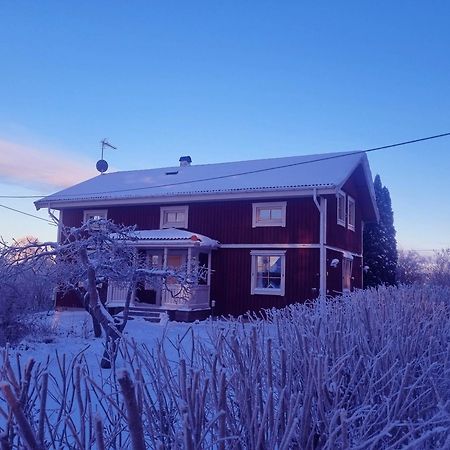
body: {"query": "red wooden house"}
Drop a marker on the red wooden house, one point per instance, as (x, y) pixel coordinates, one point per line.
(270, 232)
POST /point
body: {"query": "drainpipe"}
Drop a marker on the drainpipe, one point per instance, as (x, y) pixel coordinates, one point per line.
(57, 221)
(322, 207)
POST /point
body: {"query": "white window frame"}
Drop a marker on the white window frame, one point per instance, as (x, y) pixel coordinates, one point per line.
(268, 291)
(341, 221)
(163, 223)
(351, 213)
(258, 222)
(103, 213)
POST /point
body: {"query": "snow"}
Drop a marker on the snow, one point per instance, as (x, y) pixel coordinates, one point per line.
(368, 370)
(174, 234)
(73, 334)
(325, 171)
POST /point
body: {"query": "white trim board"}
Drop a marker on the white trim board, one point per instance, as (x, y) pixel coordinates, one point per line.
(337, 249)
(269, 246)
(204, 197)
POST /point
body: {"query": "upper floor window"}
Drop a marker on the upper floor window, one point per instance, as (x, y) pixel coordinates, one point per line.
(351, 213)
(269, 214)
(94, 214)
(174, 216)
(340, 200)
(268, 268)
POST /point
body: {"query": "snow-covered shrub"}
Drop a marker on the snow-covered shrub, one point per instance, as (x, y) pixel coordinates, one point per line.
(23, 292)
(368, 370)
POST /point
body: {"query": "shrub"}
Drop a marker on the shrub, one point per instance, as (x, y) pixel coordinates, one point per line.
(368, 370)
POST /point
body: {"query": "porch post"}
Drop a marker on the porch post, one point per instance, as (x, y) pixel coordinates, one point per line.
(209, 269)
(189, 261)
(163, 287)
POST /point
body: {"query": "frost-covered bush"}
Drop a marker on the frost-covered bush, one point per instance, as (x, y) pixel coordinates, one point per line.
(368, 370)
(23, 292)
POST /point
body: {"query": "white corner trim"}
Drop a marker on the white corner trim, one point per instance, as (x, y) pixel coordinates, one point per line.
(60, 225)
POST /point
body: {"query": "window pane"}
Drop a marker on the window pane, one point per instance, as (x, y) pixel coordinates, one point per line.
(275, 265)
(264, 214)
(276, 214)
(274, 283)
(171, 217)
(262, 264)
(261, 281)
(180, 217)
(341, 207)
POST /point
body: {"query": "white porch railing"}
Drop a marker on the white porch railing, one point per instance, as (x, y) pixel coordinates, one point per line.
(172, 297)
(117, 293)
(195, 297)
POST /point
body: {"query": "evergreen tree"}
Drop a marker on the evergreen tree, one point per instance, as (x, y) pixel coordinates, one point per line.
(380, 245)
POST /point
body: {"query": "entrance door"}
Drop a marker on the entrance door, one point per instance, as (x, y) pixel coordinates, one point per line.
(346, 274)
(149, 292)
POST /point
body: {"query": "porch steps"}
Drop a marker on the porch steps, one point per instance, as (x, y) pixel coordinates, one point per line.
(149, 314)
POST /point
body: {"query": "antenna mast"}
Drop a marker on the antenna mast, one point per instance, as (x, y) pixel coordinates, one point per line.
(102, 165)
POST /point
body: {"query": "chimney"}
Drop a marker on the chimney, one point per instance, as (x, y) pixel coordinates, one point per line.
(185, 161)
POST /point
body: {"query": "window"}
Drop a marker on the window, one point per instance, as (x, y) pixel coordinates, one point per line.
(269, 214)
(351, 213)
(340, 200)
(174, 217)
(268, 269)
(95, 214)
(347, 263)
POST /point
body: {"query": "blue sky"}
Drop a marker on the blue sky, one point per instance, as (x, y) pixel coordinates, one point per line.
(225, 81)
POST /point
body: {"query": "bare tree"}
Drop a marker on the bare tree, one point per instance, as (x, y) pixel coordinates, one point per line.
(411, 267)
(97, 250)
(440, 268)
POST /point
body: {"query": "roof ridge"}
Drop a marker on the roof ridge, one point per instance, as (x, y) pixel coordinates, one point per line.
(278, 158)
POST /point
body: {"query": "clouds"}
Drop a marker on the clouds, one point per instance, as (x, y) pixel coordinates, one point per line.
(41, 168)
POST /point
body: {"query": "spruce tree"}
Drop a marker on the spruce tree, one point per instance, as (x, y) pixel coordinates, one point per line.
(380, 245)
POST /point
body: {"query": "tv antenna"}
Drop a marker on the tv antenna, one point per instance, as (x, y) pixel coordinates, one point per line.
(102, 165)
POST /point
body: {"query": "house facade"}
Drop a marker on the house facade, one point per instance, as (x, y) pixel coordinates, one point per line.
(267, 232)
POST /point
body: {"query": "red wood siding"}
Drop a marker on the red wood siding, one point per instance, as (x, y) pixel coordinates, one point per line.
(231, 281)
(72, 217)
(338, 235)
(231, 222)
(228, 222)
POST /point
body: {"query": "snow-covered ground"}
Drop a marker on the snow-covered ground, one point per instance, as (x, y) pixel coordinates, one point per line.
(369, 370)
(70, 332)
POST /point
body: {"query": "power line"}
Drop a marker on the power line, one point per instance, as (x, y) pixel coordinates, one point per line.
(249, 172)
(22, 196)
(27, 214)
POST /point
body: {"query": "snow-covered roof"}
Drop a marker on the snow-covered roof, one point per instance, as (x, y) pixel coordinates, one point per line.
(176, 236)
(294, 173)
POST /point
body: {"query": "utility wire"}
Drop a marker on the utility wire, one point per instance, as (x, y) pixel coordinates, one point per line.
(249, 172)
(23, 196)
(27, 214)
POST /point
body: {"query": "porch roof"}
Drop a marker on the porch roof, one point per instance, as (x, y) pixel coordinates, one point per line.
(174, 237)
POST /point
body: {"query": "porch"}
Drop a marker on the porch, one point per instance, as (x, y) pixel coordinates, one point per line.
(180, 251)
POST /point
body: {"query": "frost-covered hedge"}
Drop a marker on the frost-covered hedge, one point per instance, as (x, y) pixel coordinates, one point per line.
(370, 370)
